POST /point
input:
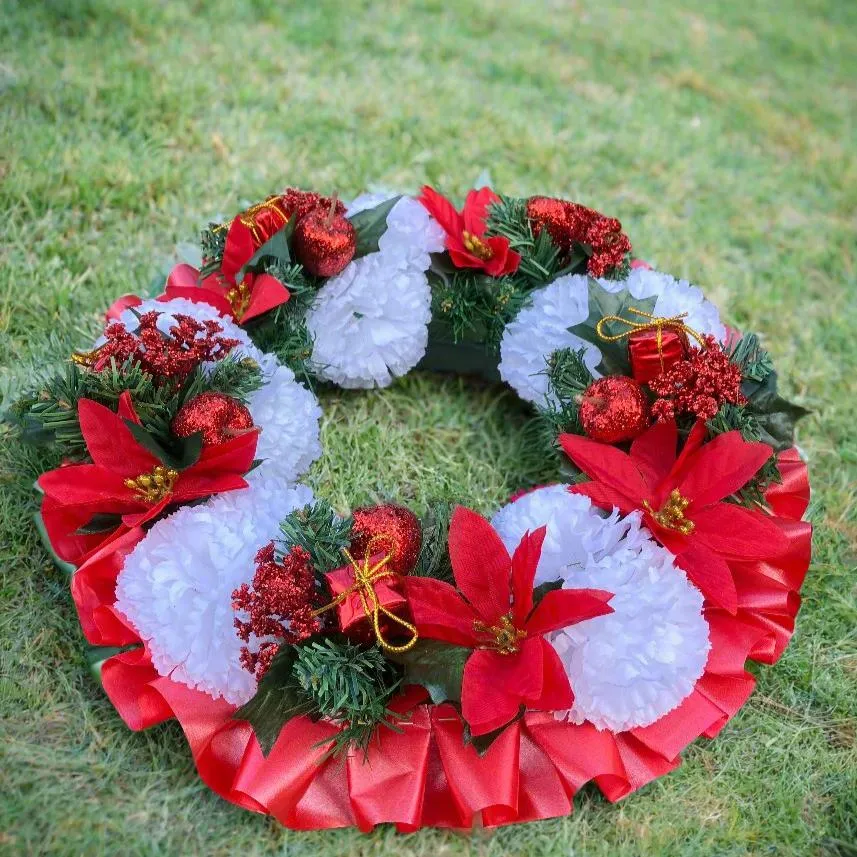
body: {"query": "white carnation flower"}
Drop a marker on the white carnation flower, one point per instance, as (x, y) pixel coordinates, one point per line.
(370, 323)
(633, 666)
(176, 585)
(542, 328)
(288, 414)
(673, 298)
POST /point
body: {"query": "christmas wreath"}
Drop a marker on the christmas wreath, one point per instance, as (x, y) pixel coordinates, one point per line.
(338, 668)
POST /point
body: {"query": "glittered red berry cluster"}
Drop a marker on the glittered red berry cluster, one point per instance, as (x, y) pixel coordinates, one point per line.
(278, 604)
(163, 356)
(698, 385)
(570, 223)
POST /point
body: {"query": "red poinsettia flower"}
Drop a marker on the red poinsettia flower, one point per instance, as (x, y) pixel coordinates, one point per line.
(466, 241)
(128, 483)
(512, 664)
(682, 498)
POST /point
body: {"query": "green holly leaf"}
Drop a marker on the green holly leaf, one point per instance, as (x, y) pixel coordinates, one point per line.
(542, 589)
(775, 415)
(275, 249)
(278, 699)
(614, 355)
(370, 225)
(437, 666)
(183, 454)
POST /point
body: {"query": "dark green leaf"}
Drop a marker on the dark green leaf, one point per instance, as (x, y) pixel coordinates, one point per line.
(614, 355)
(101, 523)
(437, 666)
(278, 699)
(275, 249)
(542, 589)
(185, 454)
(775, 415)
(370, 225)
(482, 743)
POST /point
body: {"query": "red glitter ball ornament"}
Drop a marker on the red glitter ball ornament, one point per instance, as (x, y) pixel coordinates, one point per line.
(324, 242)
(298, 203)
(614, 409)
(387, 529)
(219, 417)
(545, 212)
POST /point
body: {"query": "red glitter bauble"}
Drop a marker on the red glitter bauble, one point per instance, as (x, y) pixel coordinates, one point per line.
(387, 529)
(219, 417)
(614, 409)
(324, 242)
(544, 212)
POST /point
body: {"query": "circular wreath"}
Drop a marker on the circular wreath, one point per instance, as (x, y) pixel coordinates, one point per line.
(467, 670)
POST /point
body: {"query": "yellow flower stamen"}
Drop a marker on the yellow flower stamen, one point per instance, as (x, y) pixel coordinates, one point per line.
(671, 515)
(504, 638)
(476, 246)
(153, 487)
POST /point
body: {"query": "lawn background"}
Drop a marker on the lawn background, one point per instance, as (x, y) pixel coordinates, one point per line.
(721, 133)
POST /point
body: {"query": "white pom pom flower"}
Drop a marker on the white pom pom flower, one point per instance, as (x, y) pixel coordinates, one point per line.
(673, 298)
(542, 328)
(633, 666)
(176, 585)
(288, 414)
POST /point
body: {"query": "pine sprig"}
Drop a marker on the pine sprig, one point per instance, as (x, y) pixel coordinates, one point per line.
(755, 362)
(349, 684)
(320, 531)
(568, 378)
(212, 243)
(434, 560)
(540, 258)
(48, 414)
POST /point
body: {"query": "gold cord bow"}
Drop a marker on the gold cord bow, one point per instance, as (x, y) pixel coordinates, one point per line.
(653, 322)
(366, 576)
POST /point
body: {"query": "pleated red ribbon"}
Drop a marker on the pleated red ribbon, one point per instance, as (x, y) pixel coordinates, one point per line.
(425, 775)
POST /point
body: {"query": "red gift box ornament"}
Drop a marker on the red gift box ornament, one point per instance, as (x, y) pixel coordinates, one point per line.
(654, 345)
(364, 589)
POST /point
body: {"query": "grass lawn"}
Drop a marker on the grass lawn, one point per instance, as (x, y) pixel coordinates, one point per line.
(721, 133)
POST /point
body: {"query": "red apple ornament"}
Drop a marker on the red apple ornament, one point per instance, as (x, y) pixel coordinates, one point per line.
(324, 241)
(614, 409)
(219, 417)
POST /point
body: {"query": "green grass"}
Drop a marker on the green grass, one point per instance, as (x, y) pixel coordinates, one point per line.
(721, 133)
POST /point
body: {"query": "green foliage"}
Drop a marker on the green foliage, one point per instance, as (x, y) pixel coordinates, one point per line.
(48, 414)
(473, 306)
(326, 677)
(436, 666)
(540, 258)
(277, 700)
(433, 560)
(755, 362)
(349, 684)
(614, 355)
(212, 242)
(568, 378)
(775, 416)
(370, 225)
(321, 532)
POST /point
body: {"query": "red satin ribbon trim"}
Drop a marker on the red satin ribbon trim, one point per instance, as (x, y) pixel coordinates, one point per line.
(427, 776)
